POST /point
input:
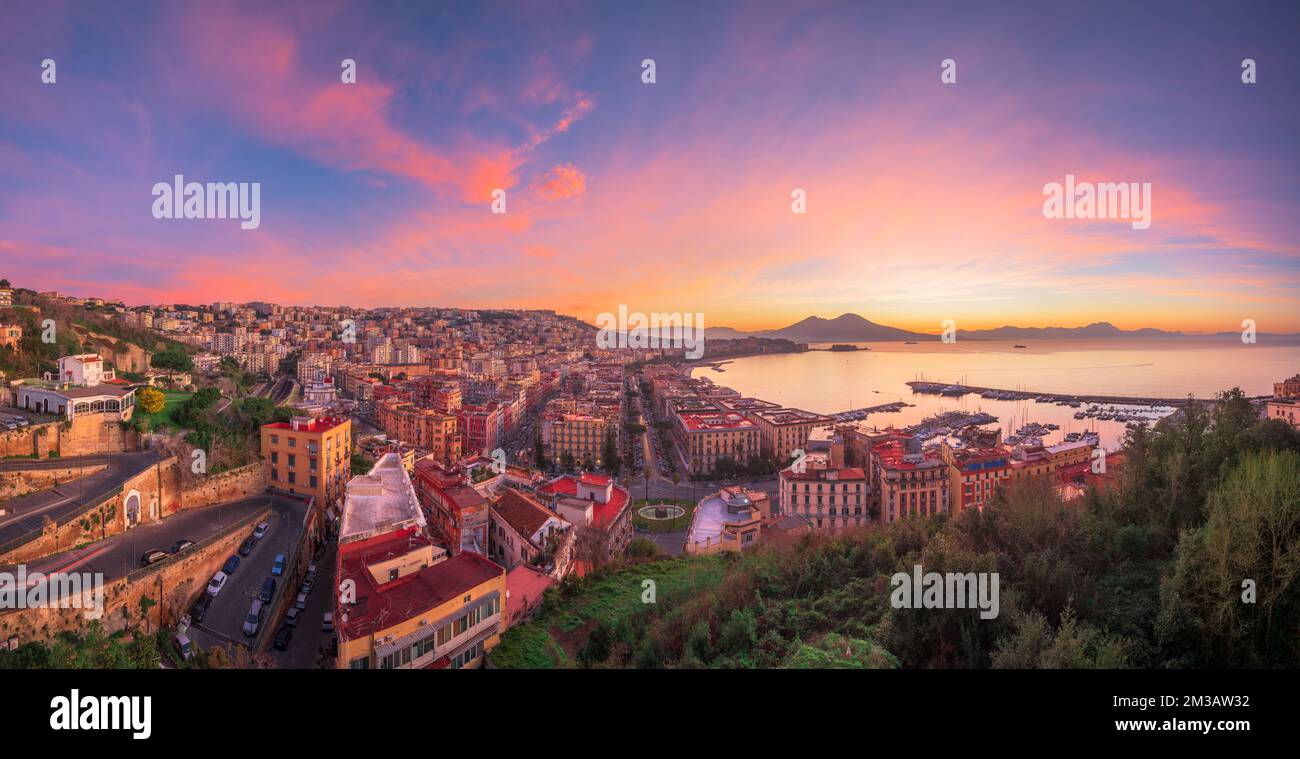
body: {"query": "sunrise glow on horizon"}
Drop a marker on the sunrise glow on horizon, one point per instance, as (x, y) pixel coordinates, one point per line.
(924, 200)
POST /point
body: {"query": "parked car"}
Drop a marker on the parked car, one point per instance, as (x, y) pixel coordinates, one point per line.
(268, 589)
(301, 603)
(327, 623)
(181, 545)
(246, 547)
(259, 532)
(231, 565)
(254, 618)
(200, 608)
(282, 637)
(183, 647)
(217, 582)
(153, 556)
(278, 568)
(291, 618)
(308, 583)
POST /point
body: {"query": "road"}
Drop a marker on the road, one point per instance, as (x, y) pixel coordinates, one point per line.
(118, 555)
(25, 513)
(309, 639)
(225, 618)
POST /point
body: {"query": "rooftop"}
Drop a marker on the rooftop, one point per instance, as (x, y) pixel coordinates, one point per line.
(522, 512)
(310, 424)
(380, 501)
(706, 421)
(602, 513)
(791, 416)
(824, 475)
(712, 514)
(378, 608)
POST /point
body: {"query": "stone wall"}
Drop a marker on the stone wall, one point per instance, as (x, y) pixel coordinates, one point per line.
(232, 485)
(81, 436)
(172, 588)
(156, 493)
(144, 497)
(16, 483)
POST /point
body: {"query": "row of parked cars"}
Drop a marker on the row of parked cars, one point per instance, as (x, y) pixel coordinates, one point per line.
(295, 613)
(218, 581)
(13, 421)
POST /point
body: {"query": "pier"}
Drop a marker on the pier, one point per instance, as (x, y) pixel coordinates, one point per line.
(957, 390)
(856, 414)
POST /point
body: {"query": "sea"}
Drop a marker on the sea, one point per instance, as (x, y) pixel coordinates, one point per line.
(827, 382)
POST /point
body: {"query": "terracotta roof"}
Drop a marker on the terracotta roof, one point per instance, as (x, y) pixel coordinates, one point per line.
(378, 608)
(521, 512)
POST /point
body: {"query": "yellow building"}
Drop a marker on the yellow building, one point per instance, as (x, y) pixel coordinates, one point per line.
(708, 436)
(579, 435)
(309, 456)
(782, 431)
(908, 482)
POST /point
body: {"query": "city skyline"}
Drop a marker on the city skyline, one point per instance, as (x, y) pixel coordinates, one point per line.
(924, 200)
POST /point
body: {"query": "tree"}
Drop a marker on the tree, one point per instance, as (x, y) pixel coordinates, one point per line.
(173, 360)
(151, 400)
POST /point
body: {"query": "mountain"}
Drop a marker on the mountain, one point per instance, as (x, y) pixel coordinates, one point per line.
(845, 328)
(1095, 330)
(850, 328)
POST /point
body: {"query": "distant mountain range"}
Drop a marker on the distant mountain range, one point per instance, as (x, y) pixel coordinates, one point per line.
(851, 328)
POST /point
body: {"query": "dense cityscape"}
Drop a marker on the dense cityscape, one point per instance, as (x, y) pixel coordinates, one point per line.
(945, 346)
(455, 473)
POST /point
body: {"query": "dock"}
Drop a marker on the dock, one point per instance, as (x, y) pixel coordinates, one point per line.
(856, 414)
(956, 390)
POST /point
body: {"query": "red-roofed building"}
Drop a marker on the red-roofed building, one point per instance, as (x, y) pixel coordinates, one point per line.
(457, 512)
(403, 603)
(525, 586)
(834, 498)
(523, 531)
(600, 509)
(907, 481)
(310, 456)
(974, 475)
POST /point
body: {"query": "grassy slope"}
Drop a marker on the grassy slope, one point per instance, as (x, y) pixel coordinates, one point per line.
(551, 640)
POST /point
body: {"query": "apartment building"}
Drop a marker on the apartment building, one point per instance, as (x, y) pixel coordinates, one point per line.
(309, 456)
(782, 431)
(907, 481)
(457, 512)
(592, 501)
(1287, 388)
(832, 498)
(523, 531)
(1286, 409)
(703, 438)
(11, 336)
(423, 428)
(410, 605)
(728, 520)
(974, 475)
(579, 436)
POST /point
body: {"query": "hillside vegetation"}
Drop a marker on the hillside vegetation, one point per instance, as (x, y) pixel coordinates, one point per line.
(1193, 561)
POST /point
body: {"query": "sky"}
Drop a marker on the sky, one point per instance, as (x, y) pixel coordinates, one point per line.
(924, 200)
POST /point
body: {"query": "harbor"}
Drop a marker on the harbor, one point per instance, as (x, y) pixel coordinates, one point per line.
(1063, 399)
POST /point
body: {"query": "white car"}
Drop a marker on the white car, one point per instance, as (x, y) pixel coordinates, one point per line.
(217, 582)
(260, 531)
